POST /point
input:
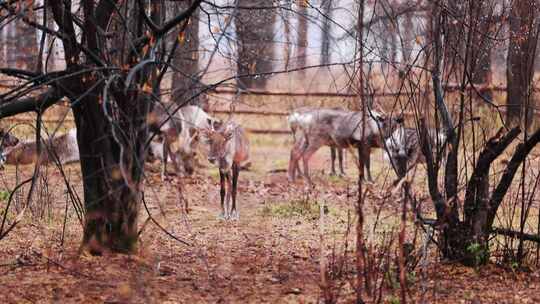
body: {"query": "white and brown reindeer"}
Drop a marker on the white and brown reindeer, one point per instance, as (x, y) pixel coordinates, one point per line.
(403, 150)
(181, 126)
(300, 120)
(341, 129)
(63, 148)
(229, 151)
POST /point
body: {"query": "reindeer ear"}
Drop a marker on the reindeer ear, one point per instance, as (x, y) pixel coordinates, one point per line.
(205, 132)
(228, 135)
(379, 117)
(216, 124)
(194, 134)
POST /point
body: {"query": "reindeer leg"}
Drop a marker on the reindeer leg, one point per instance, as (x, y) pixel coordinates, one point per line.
(228, 196)
(235, 171)
(174, 160)
(165, 155)
(362, 161)
(222, 193)
(333, 160)
(296, 173)
(296, 153)
(312, 147)
(366, 156)
(340, 158)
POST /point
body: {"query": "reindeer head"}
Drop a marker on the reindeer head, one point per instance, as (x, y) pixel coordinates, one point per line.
(6, 141)
(386, 124)
(399, 150)
(219, 153)
(187, 151)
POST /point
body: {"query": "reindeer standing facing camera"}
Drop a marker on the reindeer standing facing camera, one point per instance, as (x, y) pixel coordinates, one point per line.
(229, 151)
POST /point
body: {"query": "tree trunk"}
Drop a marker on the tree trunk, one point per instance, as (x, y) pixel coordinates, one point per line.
(481, 55)
(302, 35)
(520, 60)
(325, 43)
(26, 44)
(408, 33)
(111, 172)
(255, 48)
(286, 19)
(185, 80)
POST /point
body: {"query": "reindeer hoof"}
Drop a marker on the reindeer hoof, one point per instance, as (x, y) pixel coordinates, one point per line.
(222, 216)
(235, 215)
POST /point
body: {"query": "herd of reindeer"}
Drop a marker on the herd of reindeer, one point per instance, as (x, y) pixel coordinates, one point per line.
(228, 145)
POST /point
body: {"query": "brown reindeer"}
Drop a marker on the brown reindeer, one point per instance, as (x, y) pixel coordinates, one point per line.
(229, 151)
(341, 129)
(64, 147)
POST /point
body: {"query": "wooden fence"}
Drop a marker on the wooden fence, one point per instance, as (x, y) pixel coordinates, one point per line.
(282, 114)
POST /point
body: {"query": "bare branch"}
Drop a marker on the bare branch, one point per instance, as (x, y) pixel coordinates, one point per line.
(35, 103)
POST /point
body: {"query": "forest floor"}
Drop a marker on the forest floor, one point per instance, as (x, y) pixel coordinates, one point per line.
(270, 255)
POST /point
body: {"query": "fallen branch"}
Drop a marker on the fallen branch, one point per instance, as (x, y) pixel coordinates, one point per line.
(517, 234)
(500, 231)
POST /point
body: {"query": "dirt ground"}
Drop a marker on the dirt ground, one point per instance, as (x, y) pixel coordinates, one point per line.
(270, 255)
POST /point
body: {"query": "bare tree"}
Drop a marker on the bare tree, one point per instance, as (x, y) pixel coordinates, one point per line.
(109, 83)
(466, 240)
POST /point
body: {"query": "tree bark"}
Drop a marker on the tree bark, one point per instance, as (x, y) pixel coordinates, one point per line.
(481, 54)
(185, 80)
(523, 24)
(302, 35)
(26, 44)
(325, 43)
(255, 34)
(111, 173)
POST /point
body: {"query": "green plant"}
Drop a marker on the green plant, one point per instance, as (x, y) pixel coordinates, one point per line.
(392, 300)
(477, 253)
(4, 195)
(294, 208)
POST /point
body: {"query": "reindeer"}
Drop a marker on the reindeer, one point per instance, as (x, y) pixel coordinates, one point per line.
(7, 140)
(182, 126)
(403, 149)
(300, 120)
(341, 129)
(229, 151)
(64, 147)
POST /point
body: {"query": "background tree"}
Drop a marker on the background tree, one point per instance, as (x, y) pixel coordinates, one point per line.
(301, 33)
(254, 36)
(326, 31)
(523, 29)
(185, 80)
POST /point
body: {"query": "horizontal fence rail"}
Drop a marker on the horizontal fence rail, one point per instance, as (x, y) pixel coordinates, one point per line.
(281, 114)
